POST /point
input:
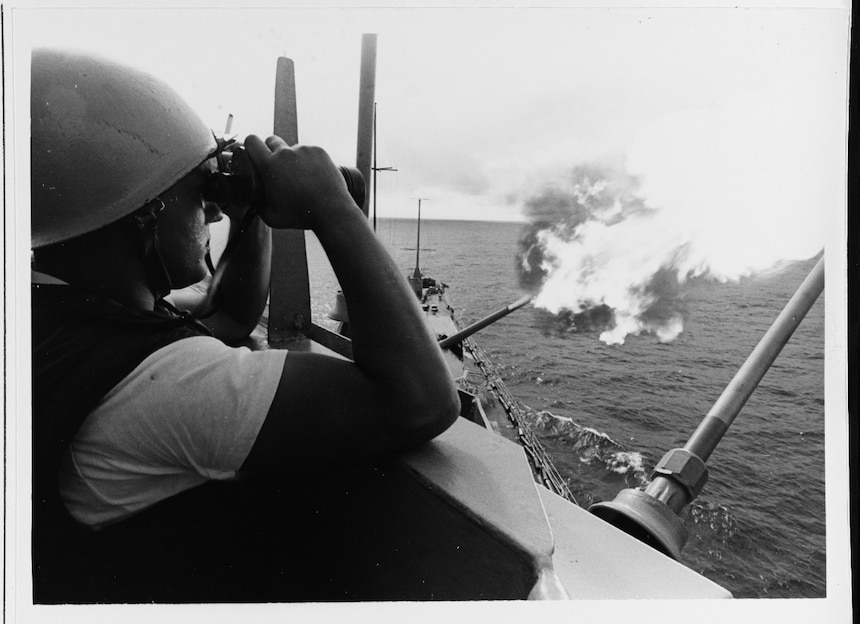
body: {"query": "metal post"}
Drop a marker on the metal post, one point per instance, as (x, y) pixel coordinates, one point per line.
(374, 167)
(289, 294)
(286, 112)
(367, 89)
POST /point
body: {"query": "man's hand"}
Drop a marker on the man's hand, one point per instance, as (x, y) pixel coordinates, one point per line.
(303, 187)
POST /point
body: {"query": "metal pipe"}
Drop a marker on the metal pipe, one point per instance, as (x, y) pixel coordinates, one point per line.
(373, 149)
(366, 94)
(446, 343)
(706, 437)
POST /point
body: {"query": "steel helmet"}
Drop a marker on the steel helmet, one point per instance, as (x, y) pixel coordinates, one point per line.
(106, 139)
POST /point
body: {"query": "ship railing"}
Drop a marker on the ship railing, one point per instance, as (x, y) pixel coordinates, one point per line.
(541, 464)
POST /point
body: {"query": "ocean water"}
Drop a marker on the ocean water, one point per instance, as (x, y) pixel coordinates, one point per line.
(607, 414)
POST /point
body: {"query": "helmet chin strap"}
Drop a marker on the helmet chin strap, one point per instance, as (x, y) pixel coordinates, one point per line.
(146, 221)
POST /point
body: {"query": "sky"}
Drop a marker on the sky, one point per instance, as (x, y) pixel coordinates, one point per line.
(478, 107)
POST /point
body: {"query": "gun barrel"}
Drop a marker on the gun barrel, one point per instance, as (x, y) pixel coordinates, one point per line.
(706, 437)
(446, 343)
(652, 514)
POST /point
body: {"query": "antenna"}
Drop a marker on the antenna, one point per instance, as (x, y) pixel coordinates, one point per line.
(375, 168)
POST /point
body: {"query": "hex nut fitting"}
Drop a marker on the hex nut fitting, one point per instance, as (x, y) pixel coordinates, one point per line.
(684, 467)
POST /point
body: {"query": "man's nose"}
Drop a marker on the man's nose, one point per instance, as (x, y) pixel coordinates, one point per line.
(212, 212)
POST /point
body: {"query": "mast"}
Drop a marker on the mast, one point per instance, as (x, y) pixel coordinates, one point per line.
(373, 147)
(415, 280)
(366, 122)
(418, 241)
(417, 272)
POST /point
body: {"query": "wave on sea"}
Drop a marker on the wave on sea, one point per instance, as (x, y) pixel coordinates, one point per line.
(593, 462)
(708, 521)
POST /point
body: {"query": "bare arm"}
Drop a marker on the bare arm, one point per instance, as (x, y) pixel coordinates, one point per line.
(398, 392)
(233, 307)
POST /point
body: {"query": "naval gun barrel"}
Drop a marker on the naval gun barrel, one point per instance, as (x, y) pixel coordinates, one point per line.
(448, 342)
(706, 437)
(652, 514)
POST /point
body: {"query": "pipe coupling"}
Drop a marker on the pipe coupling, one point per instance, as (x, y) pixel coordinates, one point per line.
(684, 467)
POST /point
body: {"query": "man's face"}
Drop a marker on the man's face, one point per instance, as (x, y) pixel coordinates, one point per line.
(183, 228)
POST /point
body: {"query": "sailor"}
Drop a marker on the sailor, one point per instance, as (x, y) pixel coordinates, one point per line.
(136, 402)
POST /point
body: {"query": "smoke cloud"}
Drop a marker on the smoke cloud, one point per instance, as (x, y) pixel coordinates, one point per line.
(715, 194)
(597, 259)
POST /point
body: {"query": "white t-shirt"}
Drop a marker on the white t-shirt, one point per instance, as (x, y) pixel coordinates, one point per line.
(188, 413)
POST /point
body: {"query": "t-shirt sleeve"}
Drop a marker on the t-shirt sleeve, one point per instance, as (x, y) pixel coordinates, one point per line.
(189, 412)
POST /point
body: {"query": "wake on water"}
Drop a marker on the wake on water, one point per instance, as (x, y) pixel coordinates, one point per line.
(707, 522)
(592, 447)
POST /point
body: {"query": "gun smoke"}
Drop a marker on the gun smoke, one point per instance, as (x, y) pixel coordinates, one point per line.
(599, 258)
(596, 259)
(718, 193)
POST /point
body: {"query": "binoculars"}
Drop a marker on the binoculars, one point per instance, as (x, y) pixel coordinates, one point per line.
(237, 183)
